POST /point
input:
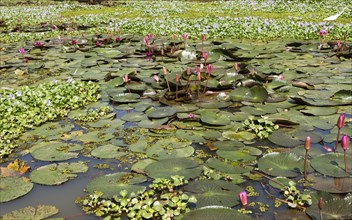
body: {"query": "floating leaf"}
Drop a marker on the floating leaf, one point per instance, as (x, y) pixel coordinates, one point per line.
(226, 167)
(162, 112)
(331, 184)
(215, 213)
(54, 151)
(214, 192)
(214, 118)
(283, 139)
(186, 167)
(281, 164)
(56, 174)
(331, 164)
(108, 151)
(13, 187)
(112, 184)
(30, 212)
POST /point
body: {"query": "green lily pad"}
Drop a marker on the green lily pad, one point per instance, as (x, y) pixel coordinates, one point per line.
(56, 174)
(331, 184)
(228, 145)
(154, 123)
(283, 139)
(281, 164)
(52, 128)
(161, 112)
(13, 187)
(333, 208)
(30, 212)
(190, 135)
(344, 96)
(312, 110)
(140, 166)
(332, 164)
(215, 213)
(55, 151)
(257, 94)
(108, 151)
(125, 98)
(214, 104)
(214, 192)
(226, 167)
(239, 136)
(168, 148)
(244, 154)
(214, 118)
(187, 167)
(134, 116)
(275, 182)
(112, 184)
(95, 136)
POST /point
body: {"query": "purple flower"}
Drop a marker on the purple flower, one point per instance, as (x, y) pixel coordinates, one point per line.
(117, 39)
(344, 142)
(47, 102)
(11, 96)
(190, 115)
(38, 44)
(55, 81)
(73, 42)
(185, 36)
(19, 93)
(243, 198)
(98, 43)
(21, 50)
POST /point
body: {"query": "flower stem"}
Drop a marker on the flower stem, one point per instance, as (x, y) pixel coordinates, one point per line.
(345, 159)
(305, 165)
(337, 140)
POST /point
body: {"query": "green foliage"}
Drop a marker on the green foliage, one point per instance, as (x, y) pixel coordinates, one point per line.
(28, 107)
(163, 200)
(93, 114)
(261, 127)
(295, 197)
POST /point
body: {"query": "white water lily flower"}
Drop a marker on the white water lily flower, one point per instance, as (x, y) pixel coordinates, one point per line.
(188, 55)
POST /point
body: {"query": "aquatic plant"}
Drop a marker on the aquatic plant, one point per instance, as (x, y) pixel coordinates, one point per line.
(344, 145)
(163, 200)
(339, 124)
(262, 127)
(306, 147)
(30, 106)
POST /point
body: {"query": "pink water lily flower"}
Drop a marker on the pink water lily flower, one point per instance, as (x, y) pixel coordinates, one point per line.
(156, 78)
(21, 50)
(205, 55)
(98, 43)
(344, 142)
(146, 41)
(38, 44)
(73, 42)
(243, 198)
(341, 121)
(203, 37)
(185, 36)
(125, 78)
(209, 69)
(117, 39)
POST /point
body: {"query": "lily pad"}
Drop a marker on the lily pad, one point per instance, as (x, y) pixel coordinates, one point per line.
(332, 164)
(281, 164)
(331, 184)
(215, 213)
(214, 118)
(187, 167)
(56, 174)
(226, 167)
(283, 139)
(13, 187)
(140, 166)
(168, 148)
(125, 98)
(108, 151)
(161, 112)
(214, 192)
(134, 116)
(52, 128)
(333, 208)
(244, 154)
(30, 212)
(312, 110)
(54, 151)
(112, 184)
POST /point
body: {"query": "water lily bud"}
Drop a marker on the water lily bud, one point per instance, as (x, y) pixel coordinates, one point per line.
(185, 36)
(177, 78)
(188, 70)
(344, 142)
(198, 76)
(146, 41)
(205, 55)
(21, 50)
(156, 78)
(243, 197)
(203, 37)
(321, 203)
(125, 78)
(164, 71)
(341, 121)
(307, 143)
(209, 69)
(236, 67)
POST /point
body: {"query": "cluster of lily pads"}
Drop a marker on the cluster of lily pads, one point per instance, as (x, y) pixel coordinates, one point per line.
(218, 19)
(31, 106)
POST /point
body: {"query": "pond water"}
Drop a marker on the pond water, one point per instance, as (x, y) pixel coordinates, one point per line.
(163, 114)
